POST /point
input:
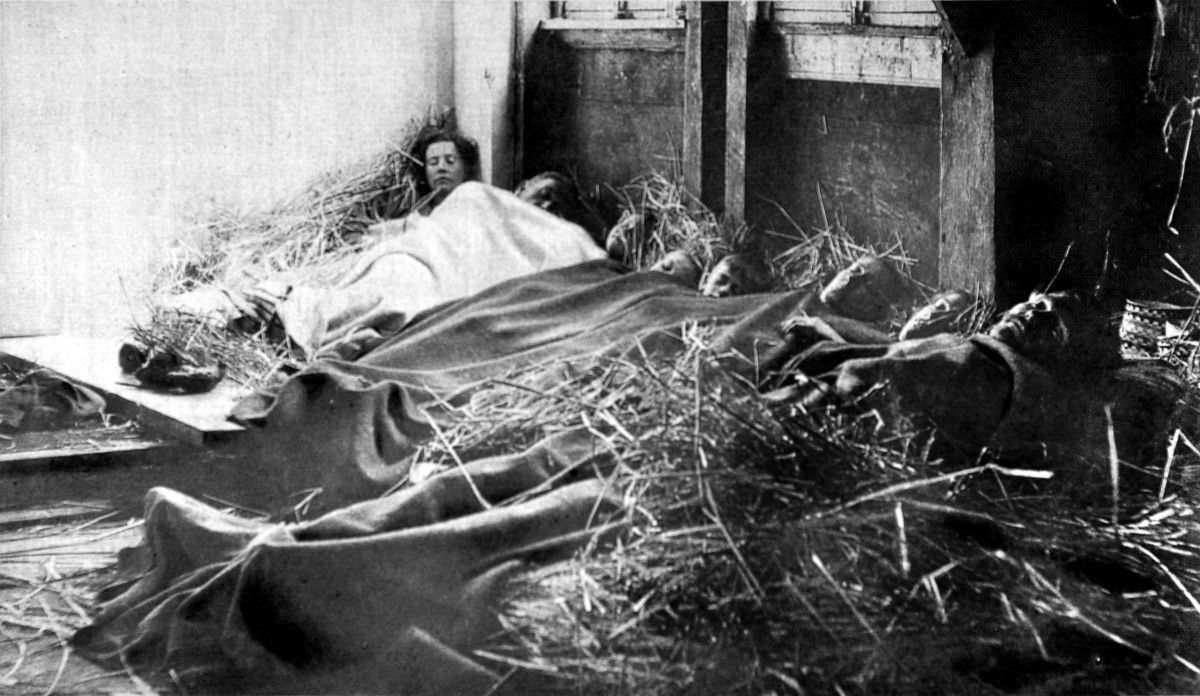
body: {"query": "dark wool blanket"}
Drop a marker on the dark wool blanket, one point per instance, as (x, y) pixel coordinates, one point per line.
(393, 593)
(349, 427)
(389, 594)
(977, 392)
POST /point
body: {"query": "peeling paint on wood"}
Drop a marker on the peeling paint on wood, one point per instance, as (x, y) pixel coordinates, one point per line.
(881, 59)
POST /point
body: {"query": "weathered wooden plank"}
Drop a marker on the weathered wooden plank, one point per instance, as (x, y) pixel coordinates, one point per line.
(736, 54)
(967, 254)
(815, 11)
(44, 513)
(714, 18)
(22, 451)
(608, 114)
(873, 153)
(631, 76)
(693, 102)
(618, 11)
(622, 140)
(192, 418)
(870, 58)
(967, 25)
(903, 13)
(670, 40)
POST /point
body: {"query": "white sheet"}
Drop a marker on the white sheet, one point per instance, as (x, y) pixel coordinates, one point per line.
(479, 236)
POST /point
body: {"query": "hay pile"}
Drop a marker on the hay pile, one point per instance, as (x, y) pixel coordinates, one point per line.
(304, 235)
(782, 553)
(659, 216)
(248, 359)
(309, 238)
(805, 257)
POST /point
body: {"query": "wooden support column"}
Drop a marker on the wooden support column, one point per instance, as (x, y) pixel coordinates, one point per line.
(693, 101)
(737, 51)
(967, 210)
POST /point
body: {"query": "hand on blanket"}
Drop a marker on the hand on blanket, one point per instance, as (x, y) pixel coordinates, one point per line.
(799, 332)
(802, 391)
(807, 330)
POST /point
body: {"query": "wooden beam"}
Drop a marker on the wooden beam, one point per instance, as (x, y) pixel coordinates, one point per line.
(966, 25)
(693, 102)
(736, 54)
(967, 206)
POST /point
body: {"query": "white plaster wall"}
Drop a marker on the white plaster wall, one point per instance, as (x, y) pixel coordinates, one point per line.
(116, 116)
(483, 81)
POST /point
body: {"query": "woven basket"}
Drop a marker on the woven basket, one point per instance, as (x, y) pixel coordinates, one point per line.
(1179, 351)
(1144, 321)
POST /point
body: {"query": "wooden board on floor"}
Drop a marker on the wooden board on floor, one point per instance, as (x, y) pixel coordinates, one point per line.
(192, 418)
(22, 451)
(45, 513)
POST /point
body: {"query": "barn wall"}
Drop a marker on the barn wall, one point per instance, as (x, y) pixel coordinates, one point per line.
(1078, 155)
(115, 117)
(606, 105)
(870, 149)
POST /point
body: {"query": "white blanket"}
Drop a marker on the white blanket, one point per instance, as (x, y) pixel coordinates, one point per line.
(479, 236)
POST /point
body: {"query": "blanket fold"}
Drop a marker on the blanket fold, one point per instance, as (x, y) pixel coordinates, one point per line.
(356, 423)
(390, 594)
(395, 590)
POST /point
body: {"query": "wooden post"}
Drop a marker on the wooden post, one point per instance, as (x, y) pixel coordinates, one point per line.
(737, 51)
(967, 210)
(693, 102)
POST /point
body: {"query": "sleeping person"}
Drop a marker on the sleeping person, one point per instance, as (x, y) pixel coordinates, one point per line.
(445, 159)
(1043, 373)
(477, 236)
(474, 236)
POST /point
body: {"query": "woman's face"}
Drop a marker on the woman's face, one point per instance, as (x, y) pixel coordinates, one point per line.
(444, 168)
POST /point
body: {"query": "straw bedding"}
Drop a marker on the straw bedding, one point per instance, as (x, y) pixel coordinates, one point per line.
(774, 552)
(798, 555)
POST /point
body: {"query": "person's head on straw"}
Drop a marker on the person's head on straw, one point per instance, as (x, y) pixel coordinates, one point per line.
(1059, 328)
(867, 289)
(680, 264)
(446, 159)
(734, 274)
(558, 195)
(949, 311)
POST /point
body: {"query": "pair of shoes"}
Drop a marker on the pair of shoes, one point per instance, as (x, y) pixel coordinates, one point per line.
(159, 369)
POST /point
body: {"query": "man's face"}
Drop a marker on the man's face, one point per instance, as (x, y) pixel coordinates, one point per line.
(1040, 327)
(547, 193)
(444, 168)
